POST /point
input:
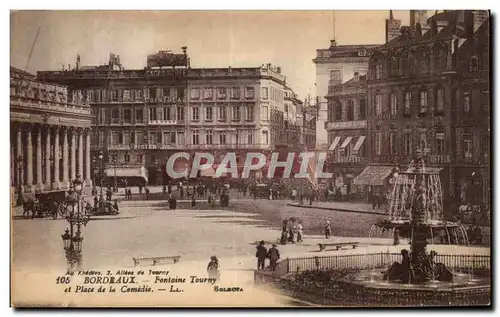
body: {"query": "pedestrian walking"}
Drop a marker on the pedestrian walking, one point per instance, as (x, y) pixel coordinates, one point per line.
(147, 192)
(273, 255)
(213, 268)
(300, 231)
(294, 194)
(140, 189)
(328, 229)
(284, 232)
(261, 255)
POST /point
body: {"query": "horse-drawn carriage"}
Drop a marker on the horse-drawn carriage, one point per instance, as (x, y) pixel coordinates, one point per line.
(52, 204)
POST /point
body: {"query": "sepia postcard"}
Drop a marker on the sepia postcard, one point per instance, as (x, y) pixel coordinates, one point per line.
(250, 158)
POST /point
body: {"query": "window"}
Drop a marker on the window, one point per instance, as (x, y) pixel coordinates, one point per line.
(378, 105)
(196, 114)
(196, 137)
(236, 113)
(209, 137)
(394, 66)
(208, 93)
(362, 109)
(102, 115)
(440, 143)
(407, 102)
(126, 138)
(378, 143)
(139, 115)
(423, 62)
(167, 113)
(101, 138)
(250, 137)
(265, 137)
(440, 57)
(138, 94)
(423, 101)
(90, 95)
(423, 141)
(139, 158)
(181, 93)
(222, 138)
(114, 95)
(265, 93)
(152, 93)
(115, 116)
(166, 137)
(139, 138)
(378, 71)
(115, 138)
(222, 113)
(485, 147)
(152, 114)
(338, 112)
(153, 138)
(127, 158)
(439, 99)
(180, 138)
(195, 93)
(466, 103)
(208, 113)
(235, 93)
(336, 74)
(249, 92)
(393, 143)
(350, 110)
(468, 148)
(127, 115)
(394, 104)
(166, 93)
(180, 113)
(98, 95)
(222, 93)
(265, 112)
(249, 112)
(407, 143)
(473, 64)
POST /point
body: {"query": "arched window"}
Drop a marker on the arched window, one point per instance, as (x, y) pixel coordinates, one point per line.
(411, 64)
(423, 60)
(377, 66)
(440, 56)
(473, 64)
(394, 65)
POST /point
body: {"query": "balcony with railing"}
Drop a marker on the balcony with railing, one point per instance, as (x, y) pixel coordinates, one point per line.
(163, 122)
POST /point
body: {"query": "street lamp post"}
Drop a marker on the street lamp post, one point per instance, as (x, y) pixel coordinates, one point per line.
(72, 241)
(101, 158)
(115, 188)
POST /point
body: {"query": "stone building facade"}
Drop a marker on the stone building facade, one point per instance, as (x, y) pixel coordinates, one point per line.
(50, 136)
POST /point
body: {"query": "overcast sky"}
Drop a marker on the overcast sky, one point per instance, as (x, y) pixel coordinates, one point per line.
(214, 38)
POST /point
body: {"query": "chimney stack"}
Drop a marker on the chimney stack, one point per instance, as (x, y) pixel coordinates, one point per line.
(392, 27)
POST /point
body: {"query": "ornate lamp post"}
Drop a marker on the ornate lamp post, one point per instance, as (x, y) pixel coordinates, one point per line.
(72, 241)
(101, 158)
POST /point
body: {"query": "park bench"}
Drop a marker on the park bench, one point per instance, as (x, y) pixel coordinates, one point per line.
(157, 260)
(322, 246)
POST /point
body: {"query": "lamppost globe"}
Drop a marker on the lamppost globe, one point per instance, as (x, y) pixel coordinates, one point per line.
(100, 156)
(66, 237)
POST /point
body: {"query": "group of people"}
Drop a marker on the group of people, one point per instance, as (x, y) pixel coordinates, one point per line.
(262, 253)
(292, 231)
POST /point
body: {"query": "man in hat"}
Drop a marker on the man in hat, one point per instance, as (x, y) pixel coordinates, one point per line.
(261, 255)
(328, 229)
(273, 255)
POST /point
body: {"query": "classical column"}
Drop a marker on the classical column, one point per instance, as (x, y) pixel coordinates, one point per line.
(19, 156)
(57, 165)
(73, 155)
(39, 181)
(65, 159)
(87, 159)
(29, 160)
(80, 153)
(47, 159)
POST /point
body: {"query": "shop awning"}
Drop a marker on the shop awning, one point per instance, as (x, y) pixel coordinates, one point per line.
(127, 172)
(358, 144)
(346, 142)
(373, 175)
(334, 144)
